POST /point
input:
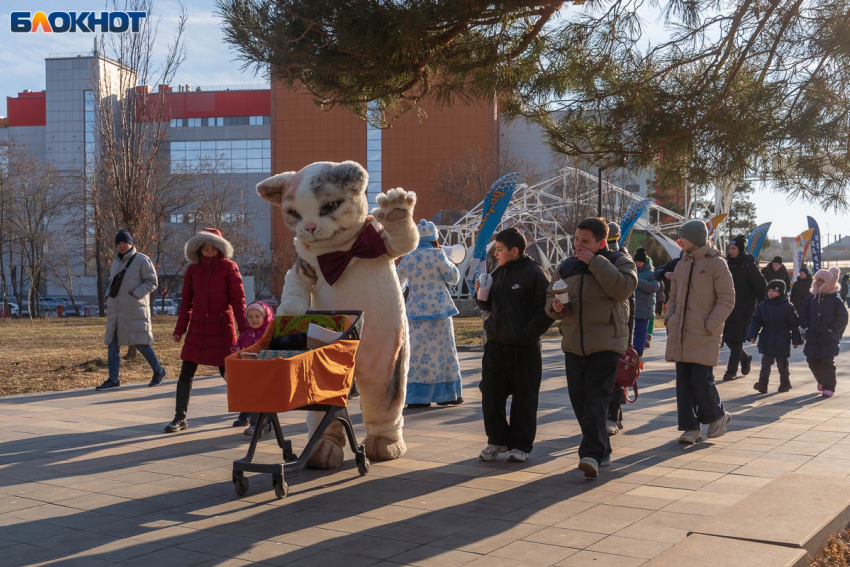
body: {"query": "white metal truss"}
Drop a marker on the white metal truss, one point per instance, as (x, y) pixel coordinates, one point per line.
(540, 211)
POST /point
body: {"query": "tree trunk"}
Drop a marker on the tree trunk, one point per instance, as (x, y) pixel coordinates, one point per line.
(101, 308)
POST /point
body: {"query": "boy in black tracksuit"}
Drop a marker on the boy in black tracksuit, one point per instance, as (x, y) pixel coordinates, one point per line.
(512, 363)
(777, 320)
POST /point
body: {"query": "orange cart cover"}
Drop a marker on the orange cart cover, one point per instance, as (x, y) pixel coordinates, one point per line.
(320, 376)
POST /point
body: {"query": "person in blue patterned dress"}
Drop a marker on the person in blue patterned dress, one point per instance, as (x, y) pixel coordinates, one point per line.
(434, 374)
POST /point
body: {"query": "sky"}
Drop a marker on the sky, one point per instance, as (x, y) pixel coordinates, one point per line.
(211, 62)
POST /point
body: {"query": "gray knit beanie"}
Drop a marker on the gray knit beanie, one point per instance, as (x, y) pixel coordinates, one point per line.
(695, 231)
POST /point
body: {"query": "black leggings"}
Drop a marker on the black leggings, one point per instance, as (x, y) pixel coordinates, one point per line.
(187, 372)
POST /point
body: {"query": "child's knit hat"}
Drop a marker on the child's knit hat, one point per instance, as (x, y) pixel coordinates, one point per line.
(262, 307)
(826, 281)
(777, 285)
(427, 231)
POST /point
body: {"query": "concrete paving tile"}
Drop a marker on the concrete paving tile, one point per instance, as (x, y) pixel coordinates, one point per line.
(531, 553)
(428, 556)
(25, 554)
(595, 559)
(333, 559)
(169, 557)
(31, 531)
(565, 537)
(707, 550)
(374, 547)
(630, 547)
(487, 536)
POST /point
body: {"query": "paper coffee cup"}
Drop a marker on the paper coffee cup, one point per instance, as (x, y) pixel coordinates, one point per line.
(485, 282)
(560, 289)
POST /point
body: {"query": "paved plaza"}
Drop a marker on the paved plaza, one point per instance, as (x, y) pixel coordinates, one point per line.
(89, 479)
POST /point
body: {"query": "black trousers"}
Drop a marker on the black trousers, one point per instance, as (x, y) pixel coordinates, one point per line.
(824, 370)
(697, 399)
(590, 380)
(781, 363)
(736, 353)
(511, 370)
(184, 386)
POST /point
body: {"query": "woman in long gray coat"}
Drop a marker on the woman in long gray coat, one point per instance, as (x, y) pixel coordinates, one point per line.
(128, 314)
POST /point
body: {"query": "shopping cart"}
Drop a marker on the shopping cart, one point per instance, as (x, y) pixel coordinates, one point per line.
(315, 380)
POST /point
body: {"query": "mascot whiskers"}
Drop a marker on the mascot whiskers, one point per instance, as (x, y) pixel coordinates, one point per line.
(345, 262)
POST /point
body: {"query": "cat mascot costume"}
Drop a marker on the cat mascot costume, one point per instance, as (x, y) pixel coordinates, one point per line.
(345, 262)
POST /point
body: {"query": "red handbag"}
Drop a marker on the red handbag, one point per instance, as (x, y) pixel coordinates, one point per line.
(628, 371)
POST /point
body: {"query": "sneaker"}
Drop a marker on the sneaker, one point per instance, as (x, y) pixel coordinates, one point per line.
(176, 425)
(746, 364)
(820, 387)
(691, 437)
(589, 466)
(606, 461)
(827, 393)
(620, 425)
(418, 406)
(760, 387)
(267, 428)
(158, 378)
(242, 420)
(108, 385)
(490, 452)
(786, 387)
(718, 428)
(249, 432)
(517, 456)
(611, 427)
(729, 377)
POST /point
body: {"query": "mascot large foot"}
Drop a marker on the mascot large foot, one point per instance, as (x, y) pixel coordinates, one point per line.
(329, 453)
(383, 449)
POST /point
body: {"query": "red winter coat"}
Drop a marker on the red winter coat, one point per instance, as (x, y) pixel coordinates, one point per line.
(212, 297)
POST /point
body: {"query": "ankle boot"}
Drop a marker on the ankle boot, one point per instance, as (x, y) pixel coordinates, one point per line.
(784, 384)
(179, 423)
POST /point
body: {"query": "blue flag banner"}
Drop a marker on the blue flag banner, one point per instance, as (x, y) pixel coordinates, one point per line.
(632, 215)
(756, 239)
(815, 243)
(494, 206)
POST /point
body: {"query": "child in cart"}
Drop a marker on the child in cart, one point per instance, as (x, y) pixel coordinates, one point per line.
(260, 316)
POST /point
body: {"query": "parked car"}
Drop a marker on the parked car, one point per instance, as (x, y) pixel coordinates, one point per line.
(14, 310)
(163, 306)
(177, 301)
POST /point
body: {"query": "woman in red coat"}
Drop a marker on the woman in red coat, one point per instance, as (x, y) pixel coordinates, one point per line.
(212, 298)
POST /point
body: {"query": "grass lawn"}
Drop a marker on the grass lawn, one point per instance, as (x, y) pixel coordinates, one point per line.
(63, 354)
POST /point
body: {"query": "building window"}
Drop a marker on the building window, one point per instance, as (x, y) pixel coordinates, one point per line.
(633, 188)
(176, 123)
(90, 173)
(177, 219)
(373, 160)
(223, 156)
(220, 121)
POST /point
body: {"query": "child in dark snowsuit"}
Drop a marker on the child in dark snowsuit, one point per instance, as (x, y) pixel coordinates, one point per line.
(824, 317)
(779, 325)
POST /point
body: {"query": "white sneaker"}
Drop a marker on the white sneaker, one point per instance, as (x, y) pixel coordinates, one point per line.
(517, 456)
(589, 466)
(691, 436)
(606, 461)
(490, 452)
(718, 428)
(611, 427)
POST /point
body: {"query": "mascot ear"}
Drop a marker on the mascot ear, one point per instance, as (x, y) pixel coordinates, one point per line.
(273, 188)
(350, 175)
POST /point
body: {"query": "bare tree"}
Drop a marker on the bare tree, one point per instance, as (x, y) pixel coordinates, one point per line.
(38, 197)
(5, 233)
(129, 185)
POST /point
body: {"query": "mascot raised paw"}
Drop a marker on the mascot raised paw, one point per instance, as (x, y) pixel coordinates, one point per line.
(346, 262)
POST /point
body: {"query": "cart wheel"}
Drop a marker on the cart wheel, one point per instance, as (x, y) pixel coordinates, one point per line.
(281, 489)
(363, 464)
(240, 484)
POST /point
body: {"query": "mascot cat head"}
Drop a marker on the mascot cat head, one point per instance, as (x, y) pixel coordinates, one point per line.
(323, 204)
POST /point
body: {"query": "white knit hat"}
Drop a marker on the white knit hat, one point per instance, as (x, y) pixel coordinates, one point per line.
(427, 231)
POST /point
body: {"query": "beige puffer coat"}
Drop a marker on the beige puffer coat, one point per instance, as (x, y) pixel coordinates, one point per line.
(701, 298)
(129, 314)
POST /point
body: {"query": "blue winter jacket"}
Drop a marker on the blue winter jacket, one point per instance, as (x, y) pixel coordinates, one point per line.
(824, 317)
(645, 292)
(779, 325)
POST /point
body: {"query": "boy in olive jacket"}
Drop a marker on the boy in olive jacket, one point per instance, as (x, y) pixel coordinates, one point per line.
(595, 330)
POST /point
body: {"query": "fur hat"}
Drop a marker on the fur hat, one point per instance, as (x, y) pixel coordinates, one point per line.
(123, 236)
(777, 285)
(777, 260)
(207, 236)
(640, 255)
(427, 231)
(613, 232)
(826, 281)
(694, 231)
